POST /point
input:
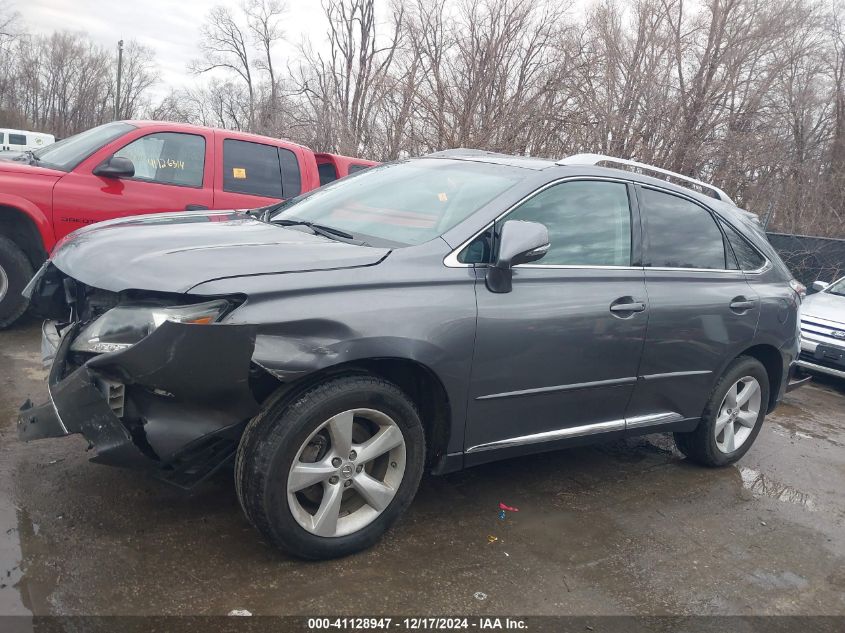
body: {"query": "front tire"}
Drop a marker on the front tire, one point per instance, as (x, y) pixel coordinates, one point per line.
(15, 273)
(327, 473)
(732, 418)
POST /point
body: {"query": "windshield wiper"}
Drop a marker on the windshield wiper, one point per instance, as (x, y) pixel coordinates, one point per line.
(27, 156)
(325, 231)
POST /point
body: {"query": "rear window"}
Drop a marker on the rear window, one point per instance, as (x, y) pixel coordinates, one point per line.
(327, 173)
(260, 170)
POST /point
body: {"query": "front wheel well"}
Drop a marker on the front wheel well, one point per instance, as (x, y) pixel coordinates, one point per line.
(416, 380)
(19, 228)
(772, 361)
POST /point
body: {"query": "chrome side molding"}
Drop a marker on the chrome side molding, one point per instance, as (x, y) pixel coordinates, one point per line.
(581, 431)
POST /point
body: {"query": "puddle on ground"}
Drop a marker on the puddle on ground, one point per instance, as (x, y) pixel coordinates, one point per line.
(777, 429)
(764, 486)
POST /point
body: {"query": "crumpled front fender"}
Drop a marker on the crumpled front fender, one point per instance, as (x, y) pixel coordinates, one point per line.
(182, 383)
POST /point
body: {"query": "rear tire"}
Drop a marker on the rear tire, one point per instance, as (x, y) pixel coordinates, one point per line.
(732, 417)
(291, 440)
(15, 273)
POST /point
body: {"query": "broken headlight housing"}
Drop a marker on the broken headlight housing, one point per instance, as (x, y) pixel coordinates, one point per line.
(125, 325)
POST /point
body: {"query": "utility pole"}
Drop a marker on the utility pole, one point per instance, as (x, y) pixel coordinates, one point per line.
(119, 72)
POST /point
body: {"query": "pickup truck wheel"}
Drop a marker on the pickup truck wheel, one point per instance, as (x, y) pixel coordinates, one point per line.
(732, 418)
(327, 474)
(15, 273)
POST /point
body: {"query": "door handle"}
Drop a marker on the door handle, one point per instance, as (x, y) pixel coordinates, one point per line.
(626, 305)
(741, 304)
(196, 207)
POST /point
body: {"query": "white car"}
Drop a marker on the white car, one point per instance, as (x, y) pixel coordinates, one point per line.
(23, 140)
(823, 329)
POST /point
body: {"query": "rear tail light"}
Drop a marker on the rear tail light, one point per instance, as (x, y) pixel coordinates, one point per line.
(799, 288)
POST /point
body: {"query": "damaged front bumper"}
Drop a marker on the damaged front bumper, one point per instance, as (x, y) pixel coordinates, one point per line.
(176, 401)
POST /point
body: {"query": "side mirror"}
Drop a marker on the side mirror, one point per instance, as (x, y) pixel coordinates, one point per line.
(519, 243)
(115, 167)
(820, 285)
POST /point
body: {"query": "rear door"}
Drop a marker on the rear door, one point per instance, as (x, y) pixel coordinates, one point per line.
(255, 174)
(557, 357)
(702, 311)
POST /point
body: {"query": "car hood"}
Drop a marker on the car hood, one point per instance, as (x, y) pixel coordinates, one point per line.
(823, 305)
(175, 252)
(8, 164)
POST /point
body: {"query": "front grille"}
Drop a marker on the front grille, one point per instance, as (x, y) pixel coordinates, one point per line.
(827, 330)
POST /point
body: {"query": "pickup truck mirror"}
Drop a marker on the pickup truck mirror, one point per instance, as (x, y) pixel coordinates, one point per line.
(115, 167)
(519, 243)
(820, 285)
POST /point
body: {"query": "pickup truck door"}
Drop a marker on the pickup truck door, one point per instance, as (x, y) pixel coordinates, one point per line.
(173, 172)
(253, 174)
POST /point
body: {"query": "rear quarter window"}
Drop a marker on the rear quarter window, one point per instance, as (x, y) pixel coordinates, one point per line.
(747, 257)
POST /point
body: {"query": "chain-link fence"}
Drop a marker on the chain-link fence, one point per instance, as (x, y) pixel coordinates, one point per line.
(811, 258)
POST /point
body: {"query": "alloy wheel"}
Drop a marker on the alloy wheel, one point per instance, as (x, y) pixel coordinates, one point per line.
(4, 283)
(738, 414)
(346, 473)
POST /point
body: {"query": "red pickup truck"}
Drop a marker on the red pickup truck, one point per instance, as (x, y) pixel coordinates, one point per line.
(133, 167)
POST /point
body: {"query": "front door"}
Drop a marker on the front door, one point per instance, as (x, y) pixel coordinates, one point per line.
(557, 357)
(171, 174)
(702, 311)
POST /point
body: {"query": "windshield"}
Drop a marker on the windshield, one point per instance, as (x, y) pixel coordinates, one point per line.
(407, 202)
(837, 288)
(69, 152)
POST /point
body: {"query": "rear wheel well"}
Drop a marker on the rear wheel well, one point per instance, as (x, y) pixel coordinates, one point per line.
(416, 380)
(772, 361)
(19, 228)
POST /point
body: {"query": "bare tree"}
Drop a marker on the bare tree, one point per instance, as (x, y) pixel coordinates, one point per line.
(137, 79)
(264, 22)
(225, 45)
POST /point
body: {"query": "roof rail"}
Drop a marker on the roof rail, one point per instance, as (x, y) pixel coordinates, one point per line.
(595, 159)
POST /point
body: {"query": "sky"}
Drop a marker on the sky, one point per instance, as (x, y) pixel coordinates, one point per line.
(170, 27)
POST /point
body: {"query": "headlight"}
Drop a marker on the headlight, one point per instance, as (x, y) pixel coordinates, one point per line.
(125, 325)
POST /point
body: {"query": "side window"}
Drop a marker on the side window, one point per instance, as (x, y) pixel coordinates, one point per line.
(251, 168)
(356, 168)
(746, 255)
(17, 139)
(680, 234)
(589, 223)
(327, 173)
(291, 179)
(168, 158)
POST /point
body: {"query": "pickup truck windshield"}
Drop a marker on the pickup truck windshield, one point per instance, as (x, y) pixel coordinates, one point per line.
(407, 202)
(68, 153)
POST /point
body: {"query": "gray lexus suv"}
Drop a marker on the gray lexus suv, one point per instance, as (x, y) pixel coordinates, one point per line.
(433, 313)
